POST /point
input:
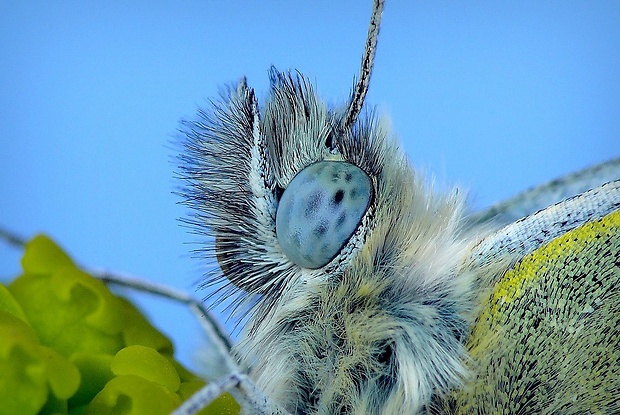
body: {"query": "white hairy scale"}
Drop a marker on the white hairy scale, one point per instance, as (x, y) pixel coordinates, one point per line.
(319, 211)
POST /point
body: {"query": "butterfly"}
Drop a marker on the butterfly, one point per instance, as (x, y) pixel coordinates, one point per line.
(586, 311)
(368, 290)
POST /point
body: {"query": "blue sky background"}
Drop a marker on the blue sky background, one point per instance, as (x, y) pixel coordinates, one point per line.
(495, 96)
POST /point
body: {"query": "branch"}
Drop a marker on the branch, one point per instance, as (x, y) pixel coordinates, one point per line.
(12, 238)
(249, 393)
(209, 323)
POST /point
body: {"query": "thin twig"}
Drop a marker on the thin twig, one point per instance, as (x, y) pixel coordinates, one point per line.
(250, 393)
(12, 238)
(208, 321)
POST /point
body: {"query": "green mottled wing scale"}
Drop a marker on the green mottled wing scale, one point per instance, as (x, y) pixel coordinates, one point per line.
(548, 338)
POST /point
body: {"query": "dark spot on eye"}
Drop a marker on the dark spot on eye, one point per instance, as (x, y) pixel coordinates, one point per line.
(312, 204)
(353, 193)
(341, 219)
(338, 196)
(325, 247)
(348, 177)
(320, 230)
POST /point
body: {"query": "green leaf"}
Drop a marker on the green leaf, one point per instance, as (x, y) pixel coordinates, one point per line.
(71, 311)
(138, 330)
(133, 395)
(63, 376)
(146, 363)
(23, 380)
(10, 305)
(70, 346)
(43, 256)
(95, 372)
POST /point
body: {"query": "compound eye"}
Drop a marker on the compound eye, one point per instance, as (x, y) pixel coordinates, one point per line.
(320, 210)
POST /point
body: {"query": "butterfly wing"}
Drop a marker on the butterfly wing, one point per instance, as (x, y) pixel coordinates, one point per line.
(548, 194)
(547, 336)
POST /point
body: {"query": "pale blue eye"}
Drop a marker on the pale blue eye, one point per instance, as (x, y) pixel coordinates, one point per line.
(320, 210)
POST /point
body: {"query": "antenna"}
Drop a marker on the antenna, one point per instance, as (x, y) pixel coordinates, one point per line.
(361, 88)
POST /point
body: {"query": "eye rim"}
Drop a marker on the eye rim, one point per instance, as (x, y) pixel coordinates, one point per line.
(361, 224)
